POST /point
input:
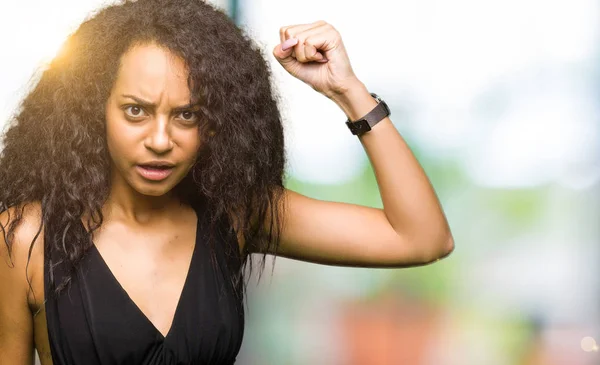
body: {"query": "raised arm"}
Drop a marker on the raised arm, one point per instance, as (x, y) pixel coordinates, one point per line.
(411, 229)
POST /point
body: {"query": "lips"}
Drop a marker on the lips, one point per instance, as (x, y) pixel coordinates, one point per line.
(156, 167)
(155, 171)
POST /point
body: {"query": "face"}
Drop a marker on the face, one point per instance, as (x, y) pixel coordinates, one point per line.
(152, 130)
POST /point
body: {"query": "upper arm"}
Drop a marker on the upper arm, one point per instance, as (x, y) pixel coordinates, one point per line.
(16, 320)
(345, 235)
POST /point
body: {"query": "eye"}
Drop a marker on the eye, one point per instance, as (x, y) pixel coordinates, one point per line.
(188, 116)
(134, 111)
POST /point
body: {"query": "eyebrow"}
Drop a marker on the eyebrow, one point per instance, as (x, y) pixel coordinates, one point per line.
(150, 105)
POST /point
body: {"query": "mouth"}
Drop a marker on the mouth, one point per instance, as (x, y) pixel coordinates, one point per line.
(155, 171)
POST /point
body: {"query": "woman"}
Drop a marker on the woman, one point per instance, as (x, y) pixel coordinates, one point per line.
(146, 166)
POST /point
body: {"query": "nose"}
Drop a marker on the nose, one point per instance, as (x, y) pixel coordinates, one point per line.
(159, 138)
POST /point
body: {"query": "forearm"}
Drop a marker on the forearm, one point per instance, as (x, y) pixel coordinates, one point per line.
(410, 203)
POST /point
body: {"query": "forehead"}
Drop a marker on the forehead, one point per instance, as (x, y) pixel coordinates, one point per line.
(153, 72)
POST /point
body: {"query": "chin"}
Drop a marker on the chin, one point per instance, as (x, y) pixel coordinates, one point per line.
(155, 192)
(150, 189)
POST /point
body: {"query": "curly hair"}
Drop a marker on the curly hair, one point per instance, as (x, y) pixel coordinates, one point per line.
(55, 148)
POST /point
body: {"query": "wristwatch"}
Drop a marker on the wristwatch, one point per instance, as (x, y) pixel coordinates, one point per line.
(373, 117)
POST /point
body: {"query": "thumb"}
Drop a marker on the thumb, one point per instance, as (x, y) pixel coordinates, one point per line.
(283, 51)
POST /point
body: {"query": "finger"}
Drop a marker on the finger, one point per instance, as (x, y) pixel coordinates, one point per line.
(312, 53)
(304, 53)
(310, 42)
(289, 63)
(283, 52)
(289, 44)
(299, 50)
(288, 32)
(284, 32)
(323, 38)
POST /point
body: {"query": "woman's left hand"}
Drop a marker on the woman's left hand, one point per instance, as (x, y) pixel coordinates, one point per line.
(315, 54)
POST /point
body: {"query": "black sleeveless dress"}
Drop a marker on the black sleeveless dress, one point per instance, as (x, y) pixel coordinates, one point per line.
(95, 322)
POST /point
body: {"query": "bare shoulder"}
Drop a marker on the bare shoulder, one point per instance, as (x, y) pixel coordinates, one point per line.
(23, 234)
(14, 254)
(16, 320)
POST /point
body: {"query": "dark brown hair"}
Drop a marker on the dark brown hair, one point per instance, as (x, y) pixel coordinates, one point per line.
(55, 145)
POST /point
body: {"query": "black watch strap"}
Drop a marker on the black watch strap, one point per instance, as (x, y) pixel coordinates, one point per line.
(367, 122)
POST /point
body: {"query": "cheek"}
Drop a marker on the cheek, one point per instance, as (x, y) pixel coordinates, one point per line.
(114, 147)
(197, 143)
(116, 139)
(189, 144)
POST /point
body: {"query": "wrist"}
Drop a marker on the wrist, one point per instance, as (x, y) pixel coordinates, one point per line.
(368, 121)
(355, 101)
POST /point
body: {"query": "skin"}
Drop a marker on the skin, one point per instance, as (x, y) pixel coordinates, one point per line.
(148, 232)
(411, 229)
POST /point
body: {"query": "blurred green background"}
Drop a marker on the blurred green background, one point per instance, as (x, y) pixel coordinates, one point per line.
(499, 102)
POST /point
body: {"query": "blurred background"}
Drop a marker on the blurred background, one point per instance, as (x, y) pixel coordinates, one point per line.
(500, 102)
